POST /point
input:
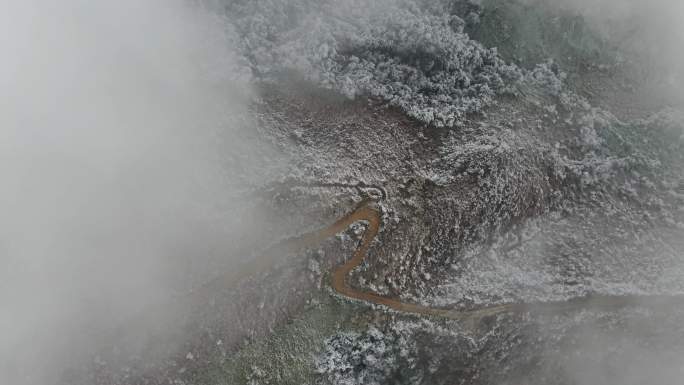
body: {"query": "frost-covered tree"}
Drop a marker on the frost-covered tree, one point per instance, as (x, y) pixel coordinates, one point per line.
(360, 358)
(401, 353)
(413, 54)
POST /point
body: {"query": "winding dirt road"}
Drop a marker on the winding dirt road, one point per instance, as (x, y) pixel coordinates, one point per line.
(340, 275)
(365, 212)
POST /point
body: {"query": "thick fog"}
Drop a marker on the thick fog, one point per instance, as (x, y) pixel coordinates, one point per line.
(651, 31)
(117, 124)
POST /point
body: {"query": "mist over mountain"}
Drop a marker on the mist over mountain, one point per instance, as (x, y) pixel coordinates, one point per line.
(341, 192)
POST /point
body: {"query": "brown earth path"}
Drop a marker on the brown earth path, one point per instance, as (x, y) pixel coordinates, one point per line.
(340, 275)
(366, 212)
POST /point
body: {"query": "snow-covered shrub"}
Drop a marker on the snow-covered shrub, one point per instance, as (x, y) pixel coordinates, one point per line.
(361, 358)
(402, 353)
(410, 53)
